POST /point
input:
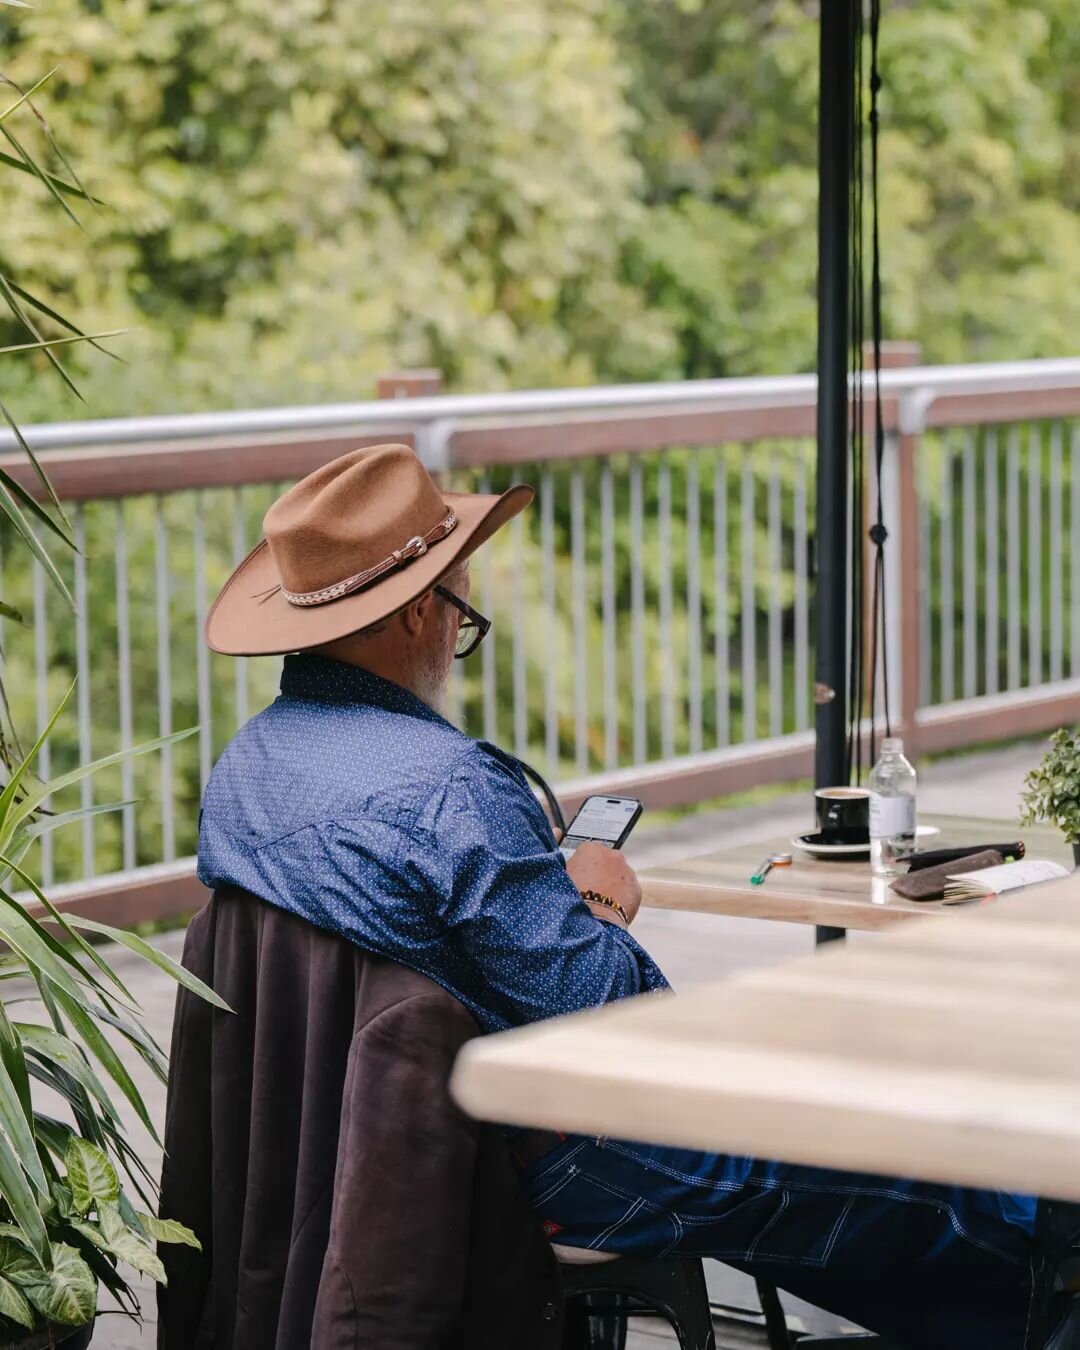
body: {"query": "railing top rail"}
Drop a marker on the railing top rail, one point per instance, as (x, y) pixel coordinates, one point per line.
(409, 416)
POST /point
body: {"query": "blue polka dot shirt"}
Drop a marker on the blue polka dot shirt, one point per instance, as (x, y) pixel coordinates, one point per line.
(351, 803)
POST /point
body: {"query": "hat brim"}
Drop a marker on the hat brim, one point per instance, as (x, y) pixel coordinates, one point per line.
(252, 618)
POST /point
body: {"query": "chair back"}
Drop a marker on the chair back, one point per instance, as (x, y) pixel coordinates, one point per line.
(313, 1146)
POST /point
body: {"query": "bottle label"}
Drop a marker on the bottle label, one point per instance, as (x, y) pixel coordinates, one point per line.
(890, 816)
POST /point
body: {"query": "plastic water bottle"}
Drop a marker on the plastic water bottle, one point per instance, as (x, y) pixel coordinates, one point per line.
(892, 808)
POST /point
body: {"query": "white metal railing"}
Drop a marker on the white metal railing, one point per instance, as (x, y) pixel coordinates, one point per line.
(653, 612)
(918, 388)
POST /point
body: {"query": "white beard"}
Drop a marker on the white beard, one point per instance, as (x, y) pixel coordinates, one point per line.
(433, 693)
(429, 678)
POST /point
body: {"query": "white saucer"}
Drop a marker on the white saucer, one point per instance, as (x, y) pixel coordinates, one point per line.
(851, 852)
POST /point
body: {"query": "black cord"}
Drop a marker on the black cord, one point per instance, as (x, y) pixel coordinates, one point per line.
(878, 533)
(876, 639)
(554, 809)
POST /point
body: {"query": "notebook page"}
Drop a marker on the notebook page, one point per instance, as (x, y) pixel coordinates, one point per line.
(1010, 876)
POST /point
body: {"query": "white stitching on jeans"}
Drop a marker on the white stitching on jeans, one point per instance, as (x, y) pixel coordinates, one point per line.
(679, 1233)
(558, 1162)
(784, 1202)
(611, 1188)
(652, 1166)
(611, 1228)
(838, 1228)
(539, 1200)
(882, 1192)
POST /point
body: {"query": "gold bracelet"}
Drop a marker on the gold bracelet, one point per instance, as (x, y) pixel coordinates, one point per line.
(595, 898)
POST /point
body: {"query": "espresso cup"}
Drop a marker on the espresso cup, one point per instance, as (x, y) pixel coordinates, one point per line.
(843, 815)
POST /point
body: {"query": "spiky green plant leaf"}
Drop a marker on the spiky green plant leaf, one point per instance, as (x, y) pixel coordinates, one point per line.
(47, 959)
(48, 345)
(150, 953)
(36, 796)
(17, 1125)
(36, 303)
(10, 508)
(22, 1202)
(98, 1045)
(29, 163)
(34, 462)
(50, 1047)
(24, 98)
(61, 921)
(23, 837)
(12, 1053)
(56, 184)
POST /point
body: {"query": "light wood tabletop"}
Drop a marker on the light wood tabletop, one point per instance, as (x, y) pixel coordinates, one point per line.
(835, 894)
(947, 1051)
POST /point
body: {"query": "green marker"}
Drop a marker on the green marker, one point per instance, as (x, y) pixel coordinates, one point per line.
(773, 860)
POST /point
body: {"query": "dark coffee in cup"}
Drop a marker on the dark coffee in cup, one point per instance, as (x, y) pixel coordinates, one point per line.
(843, 815)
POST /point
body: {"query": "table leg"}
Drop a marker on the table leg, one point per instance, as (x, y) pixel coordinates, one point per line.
(823, 934)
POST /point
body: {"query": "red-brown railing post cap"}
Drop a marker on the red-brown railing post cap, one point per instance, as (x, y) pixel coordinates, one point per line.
(896, 354)
(409, 384)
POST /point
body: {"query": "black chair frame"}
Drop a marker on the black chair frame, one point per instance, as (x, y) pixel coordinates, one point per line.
(599, 1298)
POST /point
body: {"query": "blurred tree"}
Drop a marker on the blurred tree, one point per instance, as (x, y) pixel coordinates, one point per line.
(980, 141)
(302, 196)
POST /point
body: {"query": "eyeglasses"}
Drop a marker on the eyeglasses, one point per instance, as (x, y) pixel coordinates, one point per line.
(472, 626)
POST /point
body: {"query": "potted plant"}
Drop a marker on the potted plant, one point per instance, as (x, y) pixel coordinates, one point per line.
(77, 1204)
(76, 1201)
(1052, 789)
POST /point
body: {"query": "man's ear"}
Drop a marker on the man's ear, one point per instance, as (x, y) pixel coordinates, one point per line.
(413, 617)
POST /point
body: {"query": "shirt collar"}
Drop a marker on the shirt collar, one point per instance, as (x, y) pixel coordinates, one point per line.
(322, 680)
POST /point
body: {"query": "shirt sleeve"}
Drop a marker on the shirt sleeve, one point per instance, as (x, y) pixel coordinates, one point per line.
(482, 849)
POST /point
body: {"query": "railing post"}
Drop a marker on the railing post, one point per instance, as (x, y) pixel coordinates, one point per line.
(430, 439)
(903, 564)
(409, 384)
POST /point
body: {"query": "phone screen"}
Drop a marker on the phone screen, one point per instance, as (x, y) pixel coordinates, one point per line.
(603, 820)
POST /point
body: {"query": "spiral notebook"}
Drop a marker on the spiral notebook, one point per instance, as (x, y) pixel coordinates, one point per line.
(996, 880)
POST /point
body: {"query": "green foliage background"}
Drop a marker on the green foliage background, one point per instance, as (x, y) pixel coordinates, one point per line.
(300, 196)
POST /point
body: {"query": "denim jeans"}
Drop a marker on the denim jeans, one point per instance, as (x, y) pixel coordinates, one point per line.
(930, 1267)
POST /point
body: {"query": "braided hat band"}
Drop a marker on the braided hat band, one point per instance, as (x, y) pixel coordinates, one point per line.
(415, 547)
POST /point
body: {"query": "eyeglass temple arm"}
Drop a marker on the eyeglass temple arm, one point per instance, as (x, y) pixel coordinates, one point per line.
(554, 809)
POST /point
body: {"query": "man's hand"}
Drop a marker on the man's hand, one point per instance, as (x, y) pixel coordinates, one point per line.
(604, 870)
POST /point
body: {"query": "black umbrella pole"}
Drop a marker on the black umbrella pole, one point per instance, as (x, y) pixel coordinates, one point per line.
(836, 119)
(835, 135)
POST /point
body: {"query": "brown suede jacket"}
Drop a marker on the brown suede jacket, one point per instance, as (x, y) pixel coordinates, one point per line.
(341, 1197)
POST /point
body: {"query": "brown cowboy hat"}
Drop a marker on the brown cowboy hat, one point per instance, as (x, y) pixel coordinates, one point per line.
(348, 546)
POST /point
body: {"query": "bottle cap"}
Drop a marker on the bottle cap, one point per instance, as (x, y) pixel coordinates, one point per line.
(892, 745)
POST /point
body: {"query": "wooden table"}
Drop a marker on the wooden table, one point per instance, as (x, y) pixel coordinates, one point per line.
(948, 1051)
(839, 895)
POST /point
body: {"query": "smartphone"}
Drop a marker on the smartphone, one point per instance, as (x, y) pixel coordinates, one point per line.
(602, 820)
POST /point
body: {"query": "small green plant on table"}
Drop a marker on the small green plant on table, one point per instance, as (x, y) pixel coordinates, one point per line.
(1052, 789)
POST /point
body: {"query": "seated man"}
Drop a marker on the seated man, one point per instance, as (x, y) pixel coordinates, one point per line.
(351, 802)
